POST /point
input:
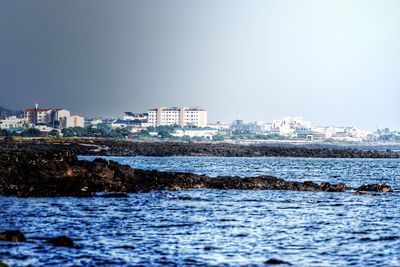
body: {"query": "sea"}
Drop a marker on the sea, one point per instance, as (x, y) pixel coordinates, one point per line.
(218, 227)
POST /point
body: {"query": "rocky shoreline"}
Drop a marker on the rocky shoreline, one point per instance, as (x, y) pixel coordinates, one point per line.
(108, 147)
(60, 174)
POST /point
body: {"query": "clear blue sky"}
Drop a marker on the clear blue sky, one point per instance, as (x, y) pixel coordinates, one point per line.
(333, 62)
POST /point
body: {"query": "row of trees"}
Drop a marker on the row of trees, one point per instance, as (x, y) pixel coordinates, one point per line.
(247, 135)
(103, 133)
(163, 132)
(32, 132)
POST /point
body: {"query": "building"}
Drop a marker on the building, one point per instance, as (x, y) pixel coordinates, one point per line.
(132, 125)
(178, 116)
(93, 123)
(12, 122)
(310, 136)
(37, 115)
(130, 116)
(221, 126)
(72, 121)
(45, 116)
(56, 115)
(191, 132)
(287, 126)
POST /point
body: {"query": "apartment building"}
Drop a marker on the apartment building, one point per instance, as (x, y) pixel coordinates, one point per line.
(38, 115)
(193, 116)
(45, 116)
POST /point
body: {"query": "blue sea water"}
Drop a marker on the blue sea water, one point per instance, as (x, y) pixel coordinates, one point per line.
(218, 227)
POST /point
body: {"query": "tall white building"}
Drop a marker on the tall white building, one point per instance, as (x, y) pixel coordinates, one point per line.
(178, 116)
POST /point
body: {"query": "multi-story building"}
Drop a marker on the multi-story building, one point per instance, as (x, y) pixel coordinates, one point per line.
(178, 116)
(57, 114)
(38, 115)
(72, 121)
(45, 116)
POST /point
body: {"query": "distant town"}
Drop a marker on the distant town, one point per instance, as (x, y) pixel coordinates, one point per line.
(179, 123)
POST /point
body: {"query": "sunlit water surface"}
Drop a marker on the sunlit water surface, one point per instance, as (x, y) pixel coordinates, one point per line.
(218, 227)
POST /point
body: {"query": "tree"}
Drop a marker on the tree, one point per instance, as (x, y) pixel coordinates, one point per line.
(79, 131)
(218, 138)
(95, 132)
(54, 133)
(186, 138)
(143, 134)
(31, 132)
(68, 132)
(4, 132)
(164, 134)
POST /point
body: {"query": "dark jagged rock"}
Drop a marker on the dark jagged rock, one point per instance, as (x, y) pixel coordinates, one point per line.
(57, 174)
(108, 147)
(61, 241)
(375, 188)
(276, 262)
(12, 236)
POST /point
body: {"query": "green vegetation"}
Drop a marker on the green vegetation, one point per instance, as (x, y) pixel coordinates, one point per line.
(31, 132)
(3, 132)
(389, 138)
(54, 133)
(164, 134)
(218, 138)
(246, 135)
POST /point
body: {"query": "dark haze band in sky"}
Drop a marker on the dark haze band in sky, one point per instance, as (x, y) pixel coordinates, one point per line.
(333, 62)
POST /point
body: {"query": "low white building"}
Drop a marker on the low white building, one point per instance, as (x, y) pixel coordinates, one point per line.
(220, 126)
(132, 125)
(72, 121)
(130, 116)
(43, 128)
(13, 122)
(93, 123)
(193, 132)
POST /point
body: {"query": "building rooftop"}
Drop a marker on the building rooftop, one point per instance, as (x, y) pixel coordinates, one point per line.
(39, 109)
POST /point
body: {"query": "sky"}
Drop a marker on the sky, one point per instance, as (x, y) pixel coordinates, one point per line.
(332, 62)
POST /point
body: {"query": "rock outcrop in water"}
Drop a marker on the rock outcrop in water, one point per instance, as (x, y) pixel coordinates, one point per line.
(57, 174)
(61, 241)
(375, 188)
(12, 236)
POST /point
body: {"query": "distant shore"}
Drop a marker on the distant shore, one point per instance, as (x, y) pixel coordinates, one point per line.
(110, 147)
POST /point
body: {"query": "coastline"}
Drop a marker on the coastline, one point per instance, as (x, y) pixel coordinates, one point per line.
(110, 147)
